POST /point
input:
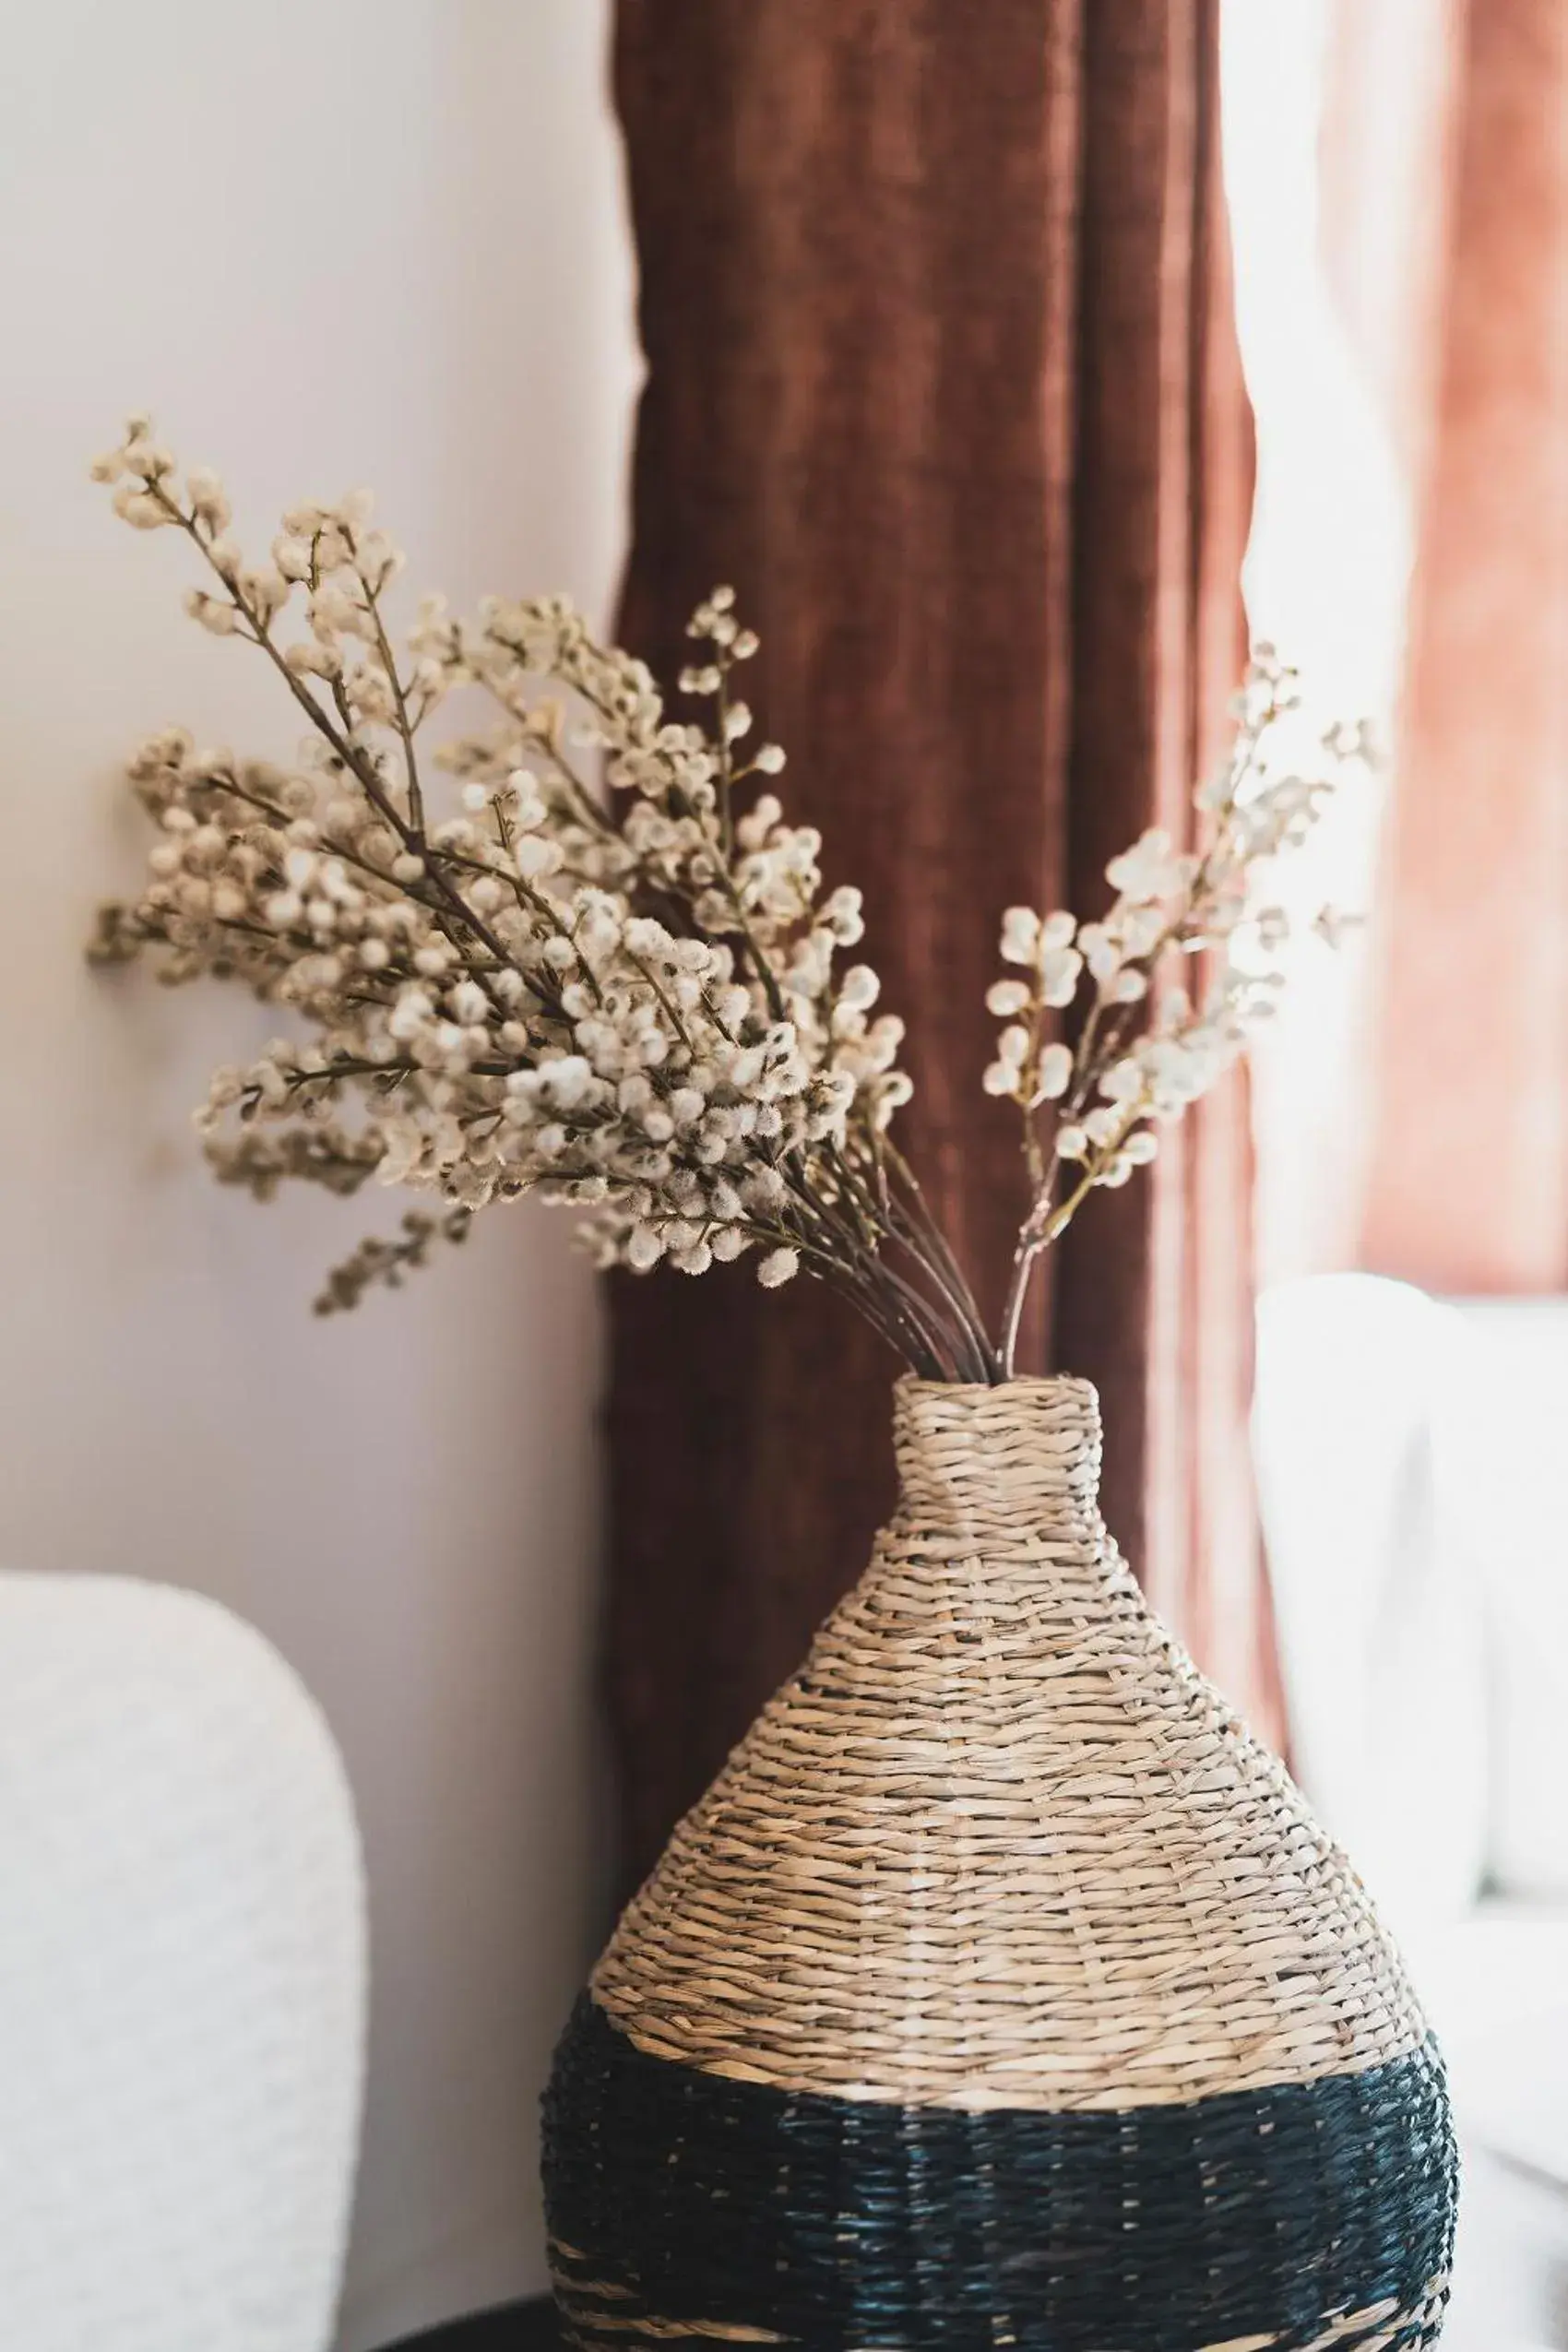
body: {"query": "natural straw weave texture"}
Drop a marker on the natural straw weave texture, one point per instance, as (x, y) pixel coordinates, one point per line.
(1002, 1992)
(998, 1844)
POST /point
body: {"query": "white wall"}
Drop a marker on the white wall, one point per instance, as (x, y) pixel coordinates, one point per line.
(377, 240)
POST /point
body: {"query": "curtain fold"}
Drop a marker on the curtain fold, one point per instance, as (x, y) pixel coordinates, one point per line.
(1467, 1181)
(1154, 1284)
(940, 376)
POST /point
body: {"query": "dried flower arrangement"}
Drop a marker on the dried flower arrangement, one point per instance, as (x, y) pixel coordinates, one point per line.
(1065, 1947)
(643, 1016)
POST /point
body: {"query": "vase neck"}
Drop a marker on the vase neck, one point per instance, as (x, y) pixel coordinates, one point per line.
(999, 1469)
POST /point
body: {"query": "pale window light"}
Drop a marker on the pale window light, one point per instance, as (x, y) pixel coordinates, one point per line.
(1326, 579)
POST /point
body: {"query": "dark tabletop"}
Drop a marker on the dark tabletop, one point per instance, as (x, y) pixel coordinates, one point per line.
(516, 2327)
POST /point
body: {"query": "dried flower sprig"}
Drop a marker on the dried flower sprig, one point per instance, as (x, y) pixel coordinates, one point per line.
(645, 1020)
(637, 1011)
(1145, 1048)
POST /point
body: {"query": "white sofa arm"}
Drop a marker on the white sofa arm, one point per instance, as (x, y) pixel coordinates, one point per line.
(182, 1981)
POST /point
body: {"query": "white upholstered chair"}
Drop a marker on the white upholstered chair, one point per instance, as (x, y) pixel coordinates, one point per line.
(1412, 1466)
(182, 1981)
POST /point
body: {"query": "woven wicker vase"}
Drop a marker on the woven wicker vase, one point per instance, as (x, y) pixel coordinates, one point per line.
(1001, 1990)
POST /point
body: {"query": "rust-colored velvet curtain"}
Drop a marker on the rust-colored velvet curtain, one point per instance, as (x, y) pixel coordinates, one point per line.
(941, 375)
(1468, 1187)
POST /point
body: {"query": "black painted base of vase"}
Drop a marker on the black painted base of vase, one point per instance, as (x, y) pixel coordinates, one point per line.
(684, 2204)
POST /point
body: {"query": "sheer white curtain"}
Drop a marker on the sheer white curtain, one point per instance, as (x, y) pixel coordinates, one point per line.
(1334, 229)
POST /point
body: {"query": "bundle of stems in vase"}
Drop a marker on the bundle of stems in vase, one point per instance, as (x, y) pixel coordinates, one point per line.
(582, 953)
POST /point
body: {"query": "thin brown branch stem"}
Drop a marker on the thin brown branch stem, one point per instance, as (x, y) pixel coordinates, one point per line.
(360, 767)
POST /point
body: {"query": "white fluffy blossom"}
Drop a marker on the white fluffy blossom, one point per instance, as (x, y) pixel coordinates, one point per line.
(605, 969)
(1136, 1052)
(639, 1014)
